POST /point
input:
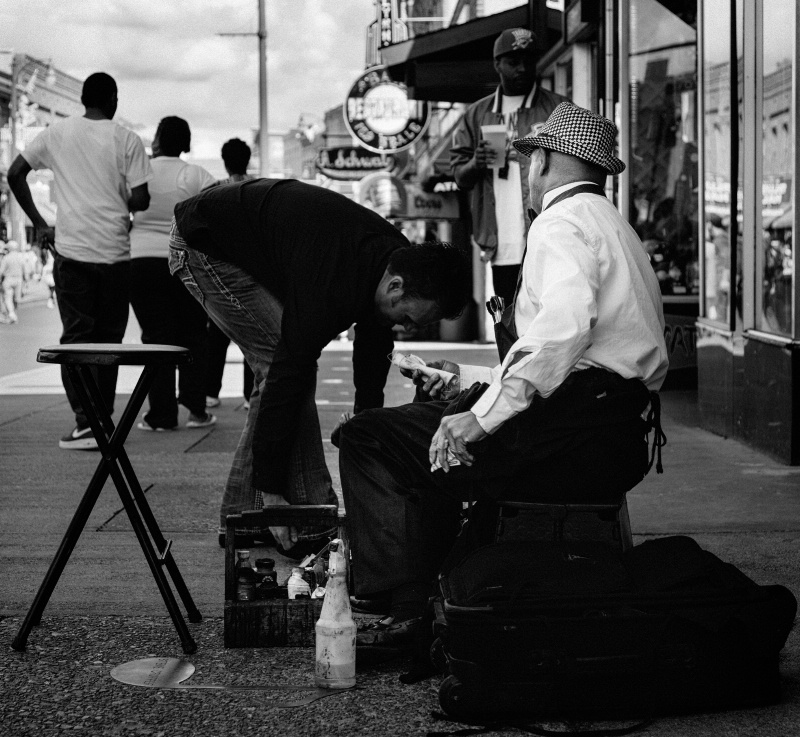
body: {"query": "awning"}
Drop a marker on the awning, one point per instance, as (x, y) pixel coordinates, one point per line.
(455, 64)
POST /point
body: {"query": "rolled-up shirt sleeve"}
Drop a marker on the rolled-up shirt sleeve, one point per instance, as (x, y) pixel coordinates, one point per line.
(554, 318)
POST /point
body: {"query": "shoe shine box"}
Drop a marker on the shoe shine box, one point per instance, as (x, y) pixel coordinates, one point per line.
(275, 622)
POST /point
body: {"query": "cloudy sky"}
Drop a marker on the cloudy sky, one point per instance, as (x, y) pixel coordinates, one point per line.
(168, 60)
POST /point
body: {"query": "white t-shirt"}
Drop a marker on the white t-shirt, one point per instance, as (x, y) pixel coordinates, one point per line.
(173, 181)
(95, 163)
(507, 198)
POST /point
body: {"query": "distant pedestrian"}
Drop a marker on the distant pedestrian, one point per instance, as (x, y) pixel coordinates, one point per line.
(236, 157)
(166, 312)
(12, 275)
(100, 173)
(47, 278)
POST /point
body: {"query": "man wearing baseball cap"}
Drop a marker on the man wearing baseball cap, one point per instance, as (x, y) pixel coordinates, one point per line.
(497, 178)
(559, 420)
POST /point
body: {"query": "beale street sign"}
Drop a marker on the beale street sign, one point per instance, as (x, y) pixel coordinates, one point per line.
(380, 115)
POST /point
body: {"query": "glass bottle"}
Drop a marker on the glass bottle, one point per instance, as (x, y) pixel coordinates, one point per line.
(245, 576)
(335, 629)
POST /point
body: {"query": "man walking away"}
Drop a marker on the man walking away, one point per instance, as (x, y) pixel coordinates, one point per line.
(101, 172)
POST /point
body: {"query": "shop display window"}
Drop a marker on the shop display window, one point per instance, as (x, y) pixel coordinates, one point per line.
(719, 128)
(663, 163)
(777, 257)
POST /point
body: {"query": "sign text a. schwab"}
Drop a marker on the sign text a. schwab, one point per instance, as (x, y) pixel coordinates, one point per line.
(380, 115)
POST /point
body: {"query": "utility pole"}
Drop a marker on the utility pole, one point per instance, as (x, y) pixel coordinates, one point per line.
(263, 132)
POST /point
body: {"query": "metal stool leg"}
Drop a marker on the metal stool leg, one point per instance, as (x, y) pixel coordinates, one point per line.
(110, 440)
(118, 464)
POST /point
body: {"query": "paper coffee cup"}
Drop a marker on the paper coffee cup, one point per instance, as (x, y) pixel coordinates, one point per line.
(496, 136)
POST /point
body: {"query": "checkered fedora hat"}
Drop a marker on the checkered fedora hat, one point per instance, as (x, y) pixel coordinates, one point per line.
(578, 132)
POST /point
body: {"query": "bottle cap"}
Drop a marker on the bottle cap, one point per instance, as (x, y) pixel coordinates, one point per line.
(265, 563)
(301, 571)
(243, 553)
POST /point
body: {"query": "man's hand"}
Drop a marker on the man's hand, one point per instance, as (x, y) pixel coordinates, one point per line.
(484, 155)
(454, 432)
(286, 536)
(434, 386)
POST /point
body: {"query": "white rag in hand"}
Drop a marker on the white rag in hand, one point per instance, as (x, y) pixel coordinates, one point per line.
(411, 362)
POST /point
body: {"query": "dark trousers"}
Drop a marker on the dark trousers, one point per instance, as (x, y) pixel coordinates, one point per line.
(218, 344)
(93, 304)
(586, 443)
(505, 279)
(169, 315)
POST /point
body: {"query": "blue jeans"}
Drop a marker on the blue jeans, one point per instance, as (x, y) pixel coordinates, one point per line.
(251, 317)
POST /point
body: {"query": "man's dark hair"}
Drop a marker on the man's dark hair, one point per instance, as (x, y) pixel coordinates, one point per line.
(174, 136)
(98, 89)
(435, 271)
(236, 156)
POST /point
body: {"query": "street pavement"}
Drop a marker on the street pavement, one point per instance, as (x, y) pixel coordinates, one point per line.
(106, 610)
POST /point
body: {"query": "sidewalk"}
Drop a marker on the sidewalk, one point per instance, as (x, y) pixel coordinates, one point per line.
(106, 610)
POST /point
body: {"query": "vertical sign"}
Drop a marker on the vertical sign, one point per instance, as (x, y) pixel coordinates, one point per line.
(387, 15)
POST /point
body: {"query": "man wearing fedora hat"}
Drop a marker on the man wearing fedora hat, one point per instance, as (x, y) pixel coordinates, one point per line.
(497, 179)
(559, 420)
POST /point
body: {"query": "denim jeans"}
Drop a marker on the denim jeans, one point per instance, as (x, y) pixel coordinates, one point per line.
(251, 317)
(93, 304)
(169, 315)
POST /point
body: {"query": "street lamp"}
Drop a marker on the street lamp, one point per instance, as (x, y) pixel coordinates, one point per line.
(263, 134)
(19, 64)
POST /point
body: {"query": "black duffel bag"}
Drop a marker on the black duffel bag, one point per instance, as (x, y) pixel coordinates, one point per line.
(538, 630)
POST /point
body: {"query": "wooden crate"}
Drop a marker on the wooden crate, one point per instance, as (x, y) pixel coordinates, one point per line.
(271, 622)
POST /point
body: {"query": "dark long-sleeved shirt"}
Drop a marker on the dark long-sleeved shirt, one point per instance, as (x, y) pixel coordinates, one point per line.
(322, 256)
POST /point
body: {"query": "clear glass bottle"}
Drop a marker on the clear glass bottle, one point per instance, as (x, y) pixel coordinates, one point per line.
(335, 629)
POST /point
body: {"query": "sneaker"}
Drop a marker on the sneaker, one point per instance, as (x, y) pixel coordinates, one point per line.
(387, 635)
(145, 425)
(195, 421)
(79, 439)
(212, 402)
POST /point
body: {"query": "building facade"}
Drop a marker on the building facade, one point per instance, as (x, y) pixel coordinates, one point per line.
(704, 93)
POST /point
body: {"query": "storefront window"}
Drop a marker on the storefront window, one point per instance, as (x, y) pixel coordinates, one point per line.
(775, 314)
(663, 165)
(718, 132)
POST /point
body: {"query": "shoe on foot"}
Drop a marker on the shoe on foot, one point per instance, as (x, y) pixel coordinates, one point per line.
(375, 604)
(79, 439)
(249, 539)
(196, 421)
(213, 402)
(388, 634)
(145, 425)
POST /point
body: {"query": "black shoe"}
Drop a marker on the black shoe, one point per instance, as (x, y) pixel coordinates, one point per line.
(387, 634)
(376, 604)
(301, 549)
(252, 539)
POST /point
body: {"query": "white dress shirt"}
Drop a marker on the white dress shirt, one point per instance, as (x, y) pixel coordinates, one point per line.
(589, 297)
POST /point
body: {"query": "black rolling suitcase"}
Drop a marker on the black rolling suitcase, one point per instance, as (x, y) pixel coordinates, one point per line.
(578, 630)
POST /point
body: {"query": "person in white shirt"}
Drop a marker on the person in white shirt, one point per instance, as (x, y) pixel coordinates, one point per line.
(560, 419)
(166, 312)
(12, 276)
(497, 178)
(100, 171)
